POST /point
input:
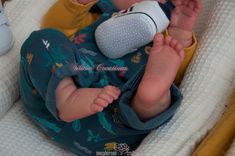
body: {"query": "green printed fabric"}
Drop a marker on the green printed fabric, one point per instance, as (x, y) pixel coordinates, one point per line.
(48, 56)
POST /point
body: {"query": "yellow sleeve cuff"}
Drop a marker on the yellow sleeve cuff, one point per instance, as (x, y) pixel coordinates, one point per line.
(193, 46)
(190, 48)
(78, 8)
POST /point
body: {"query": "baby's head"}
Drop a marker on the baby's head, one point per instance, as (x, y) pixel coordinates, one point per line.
(125, 4)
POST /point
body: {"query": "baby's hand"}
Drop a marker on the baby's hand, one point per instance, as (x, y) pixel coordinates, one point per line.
(105, 97)
(82, 1)
(183, 19)
(185, 13)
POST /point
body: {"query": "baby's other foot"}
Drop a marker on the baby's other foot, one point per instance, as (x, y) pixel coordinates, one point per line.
(162, 66)
(106, 96)
(74, 103)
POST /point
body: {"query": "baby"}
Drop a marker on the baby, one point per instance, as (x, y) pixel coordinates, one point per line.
(153, 94)
(87, 108)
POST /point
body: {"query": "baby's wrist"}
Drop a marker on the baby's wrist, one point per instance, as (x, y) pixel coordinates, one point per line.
(185, 37)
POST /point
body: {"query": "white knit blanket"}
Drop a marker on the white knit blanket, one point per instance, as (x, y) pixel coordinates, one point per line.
(206, 86)
(231, 151)
(24, 17)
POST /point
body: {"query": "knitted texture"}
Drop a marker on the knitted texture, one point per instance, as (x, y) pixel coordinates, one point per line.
(21, 137)
(9, 90)
(231, 151)
(202, 21)
(206, 87)
(24, 17)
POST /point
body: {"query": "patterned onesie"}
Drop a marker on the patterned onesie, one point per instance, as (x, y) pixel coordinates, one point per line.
(48, 56)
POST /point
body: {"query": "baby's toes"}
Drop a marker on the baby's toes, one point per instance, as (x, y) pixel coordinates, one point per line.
(106, 97)
(101, 102)
(158, 40)
(96, 108)
(173, 43)
(167, 40)
(158, 43)
(180, 50)
(181, 54)
(178, 46)
(112, 91)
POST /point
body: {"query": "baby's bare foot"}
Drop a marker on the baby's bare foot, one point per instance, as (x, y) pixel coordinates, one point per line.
(153, 94)
(107, 95)
(76, 103)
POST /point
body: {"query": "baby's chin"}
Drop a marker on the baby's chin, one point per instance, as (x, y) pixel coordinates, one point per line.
(124, 4)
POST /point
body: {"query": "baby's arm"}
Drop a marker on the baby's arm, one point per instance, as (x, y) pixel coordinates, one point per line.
(181, 26)
(183, 19)
(73, 103)
(69, 16)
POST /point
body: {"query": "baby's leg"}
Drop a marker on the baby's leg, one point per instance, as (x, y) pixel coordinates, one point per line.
(73, 103)
(153, 94)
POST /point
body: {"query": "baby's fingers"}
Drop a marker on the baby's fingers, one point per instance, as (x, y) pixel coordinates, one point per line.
(177, 2)
(197, 6)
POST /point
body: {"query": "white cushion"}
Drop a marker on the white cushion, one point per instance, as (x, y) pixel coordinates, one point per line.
(24, 17)
(231, 151)
(202, 21)
(21, 137)
(206, 87)
(9, 90)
